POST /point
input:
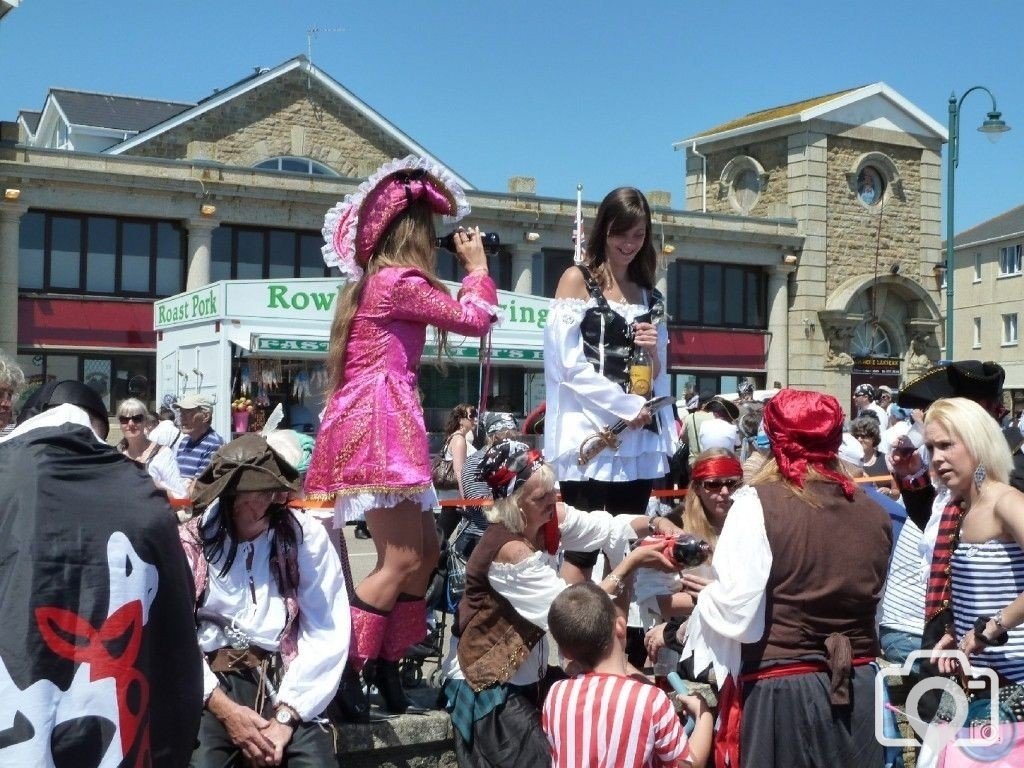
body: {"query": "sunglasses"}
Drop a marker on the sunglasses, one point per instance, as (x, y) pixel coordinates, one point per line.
(714, 486)
(133, 419)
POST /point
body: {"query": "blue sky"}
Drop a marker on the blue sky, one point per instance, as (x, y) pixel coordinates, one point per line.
(566, 91)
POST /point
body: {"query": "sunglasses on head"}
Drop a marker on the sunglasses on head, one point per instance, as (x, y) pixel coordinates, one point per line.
(713, 486)
(133, 419)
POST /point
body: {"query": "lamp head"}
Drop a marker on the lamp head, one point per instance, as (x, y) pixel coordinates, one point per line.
(993, 126)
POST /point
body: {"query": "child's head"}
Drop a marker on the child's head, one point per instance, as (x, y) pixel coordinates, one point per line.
(582, 620)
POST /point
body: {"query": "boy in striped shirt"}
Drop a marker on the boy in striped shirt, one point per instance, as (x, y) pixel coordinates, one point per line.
(603, 718)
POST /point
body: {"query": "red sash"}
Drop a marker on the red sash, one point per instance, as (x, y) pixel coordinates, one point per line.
(730, 705)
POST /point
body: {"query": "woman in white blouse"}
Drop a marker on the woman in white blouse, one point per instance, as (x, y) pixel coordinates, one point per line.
(511, 580)
(604, 310)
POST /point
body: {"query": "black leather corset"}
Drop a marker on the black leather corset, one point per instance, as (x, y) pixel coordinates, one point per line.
(618, 342)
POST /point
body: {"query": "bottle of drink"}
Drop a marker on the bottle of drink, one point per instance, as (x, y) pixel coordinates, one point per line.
(640, 372)
(689, 551)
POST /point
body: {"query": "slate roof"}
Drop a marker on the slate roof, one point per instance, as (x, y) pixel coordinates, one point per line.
(31, 119)
(774, 113)
(1010, 222)
(125, 113)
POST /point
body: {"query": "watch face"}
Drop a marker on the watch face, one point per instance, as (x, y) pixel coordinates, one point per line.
(284, 717)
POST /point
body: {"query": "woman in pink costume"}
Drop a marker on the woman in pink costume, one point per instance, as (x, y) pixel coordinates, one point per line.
(371, 453)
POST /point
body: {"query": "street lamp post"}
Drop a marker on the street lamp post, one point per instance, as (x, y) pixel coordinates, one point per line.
(992, 127)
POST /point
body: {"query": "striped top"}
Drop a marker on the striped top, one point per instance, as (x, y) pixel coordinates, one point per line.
(610, 721)
(986, 578)
(475, 488)
(195, 457)
(903, 601)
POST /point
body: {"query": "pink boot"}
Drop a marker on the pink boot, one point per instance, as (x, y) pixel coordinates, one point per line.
(407, 625)
(368, 630)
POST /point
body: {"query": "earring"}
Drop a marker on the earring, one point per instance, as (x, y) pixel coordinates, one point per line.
(979, 476)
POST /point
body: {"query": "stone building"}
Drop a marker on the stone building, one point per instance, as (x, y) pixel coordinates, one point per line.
(988, 300)
(810, 233)
(859, 171)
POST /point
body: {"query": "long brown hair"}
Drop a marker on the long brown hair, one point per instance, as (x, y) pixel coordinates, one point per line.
(620, 211)
(770, 473)
(407, 242)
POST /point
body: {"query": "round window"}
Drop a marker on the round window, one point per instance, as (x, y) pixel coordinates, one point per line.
(870, 186)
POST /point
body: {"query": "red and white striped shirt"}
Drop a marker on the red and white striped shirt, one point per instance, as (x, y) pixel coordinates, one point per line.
(599, 720)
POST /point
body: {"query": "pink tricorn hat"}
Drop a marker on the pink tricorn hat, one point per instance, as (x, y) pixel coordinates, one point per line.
(353, 226)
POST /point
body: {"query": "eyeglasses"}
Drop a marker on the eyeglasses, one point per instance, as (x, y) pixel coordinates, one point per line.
(715, 486)
(133, 419)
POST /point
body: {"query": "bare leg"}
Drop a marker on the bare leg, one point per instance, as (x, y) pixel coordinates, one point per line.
(406, 553)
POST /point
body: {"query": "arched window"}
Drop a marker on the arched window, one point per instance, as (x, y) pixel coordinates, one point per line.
(870, 340)
(295, 165)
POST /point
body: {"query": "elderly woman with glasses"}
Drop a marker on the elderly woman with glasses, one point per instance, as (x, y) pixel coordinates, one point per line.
(511, 579)
(12, 381)
(157, 460)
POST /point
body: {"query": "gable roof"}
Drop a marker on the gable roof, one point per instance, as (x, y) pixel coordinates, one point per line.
(263, 76)
(876, 104)
(1006, 224)
(31, 119)
(105, 110)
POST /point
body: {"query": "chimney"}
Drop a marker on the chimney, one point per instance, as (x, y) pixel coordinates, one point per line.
(659, 198)
(522, 185)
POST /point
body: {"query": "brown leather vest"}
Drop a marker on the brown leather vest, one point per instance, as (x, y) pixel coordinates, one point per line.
(828, 569)
(493, 639)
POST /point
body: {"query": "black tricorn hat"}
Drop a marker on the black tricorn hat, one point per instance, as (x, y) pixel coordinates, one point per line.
(972, 379)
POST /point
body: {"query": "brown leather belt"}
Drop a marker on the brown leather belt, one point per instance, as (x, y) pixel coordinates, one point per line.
(231, 660)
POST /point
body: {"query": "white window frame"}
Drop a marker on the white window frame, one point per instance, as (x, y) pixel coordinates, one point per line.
(977, 333)
(1010, 260)
(977, 267)
(1010, 329)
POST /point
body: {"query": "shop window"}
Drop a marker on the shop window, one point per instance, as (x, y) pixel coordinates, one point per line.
(100, 255)
(114, 377)
(716, 295)
(32, 251)
(248, 253)
(65, 252)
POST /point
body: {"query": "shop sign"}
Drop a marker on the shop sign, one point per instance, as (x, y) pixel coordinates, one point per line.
(497, 353)
(304, 346)
(202, 304)
(876, 364)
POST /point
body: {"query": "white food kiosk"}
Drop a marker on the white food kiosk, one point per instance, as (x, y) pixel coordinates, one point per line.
(226, 337)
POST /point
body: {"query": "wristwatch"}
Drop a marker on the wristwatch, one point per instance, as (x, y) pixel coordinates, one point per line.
(979, 632)
(285, 717)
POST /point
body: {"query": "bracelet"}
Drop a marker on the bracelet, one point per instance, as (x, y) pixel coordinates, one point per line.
(651, 527)
(979, 633)
(620, 585)
(998, 621)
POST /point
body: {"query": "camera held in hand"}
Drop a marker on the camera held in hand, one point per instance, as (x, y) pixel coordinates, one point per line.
(684, 550)
(489, 239)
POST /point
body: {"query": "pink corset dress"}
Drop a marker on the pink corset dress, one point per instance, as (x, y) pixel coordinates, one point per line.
(372, 437)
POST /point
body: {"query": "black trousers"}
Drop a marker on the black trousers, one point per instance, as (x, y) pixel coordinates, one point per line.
(311, 746)
(629, 498)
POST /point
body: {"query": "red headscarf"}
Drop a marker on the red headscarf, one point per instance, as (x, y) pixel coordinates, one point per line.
(805, 429)
(717, 466)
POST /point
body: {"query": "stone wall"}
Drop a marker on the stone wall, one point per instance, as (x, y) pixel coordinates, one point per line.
(283, 117)
(772, 156)
(856, 231)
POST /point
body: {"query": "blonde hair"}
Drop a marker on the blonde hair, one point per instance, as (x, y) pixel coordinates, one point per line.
(409, 241)
(132, 407)
(968, 422)
(770, 473)
(506, 511)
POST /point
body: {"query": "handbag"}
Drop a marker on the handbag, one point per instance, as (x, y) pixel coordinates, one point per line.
(442, 471)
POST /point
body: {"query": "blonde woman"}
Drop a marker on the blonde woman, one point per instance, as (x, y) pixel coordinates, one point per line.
(157, 460)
